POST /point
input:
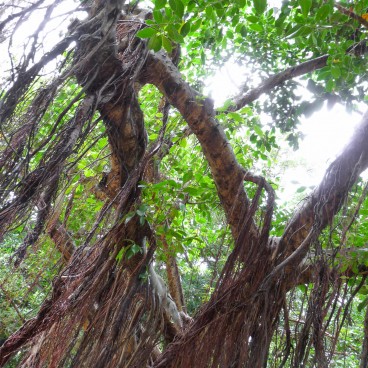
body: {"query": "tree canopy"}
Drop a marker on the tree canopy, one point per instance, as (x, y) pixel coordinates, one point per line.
(139, 223)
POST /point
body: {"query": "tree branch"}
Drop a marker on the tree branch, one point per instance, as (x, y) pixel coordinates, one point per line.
(278, 79)
(10, 100)
(22, 13)
(63, 240)
(327, 199)
(289, 73)
(200, 116)
(352, 15)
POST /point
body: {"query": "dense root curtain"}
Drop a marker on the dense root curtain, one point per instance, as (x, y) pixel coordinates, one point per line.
(109, 311)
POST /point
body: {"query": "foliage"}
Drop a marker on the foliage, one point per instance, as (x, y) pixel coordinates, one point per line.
(109, 185)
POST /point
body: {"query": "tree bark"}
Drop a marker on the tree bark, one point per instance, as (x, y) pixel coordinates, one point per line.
(126, 315)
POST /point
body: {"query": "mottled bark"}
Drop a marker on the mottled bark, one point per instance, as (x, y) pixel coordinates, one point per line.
(326, 200)
(200, 116)
(63, 240)
(173, 277)
(127, 315)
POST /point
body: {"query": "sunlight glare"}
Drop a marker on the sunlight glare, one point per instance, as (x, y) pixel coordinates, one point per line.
(326, 133)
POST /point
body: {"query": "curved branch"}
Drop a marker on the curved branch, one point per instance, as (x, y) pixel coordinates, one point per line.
(352, 15)
(278, 79)
(200, 116)
(327, 199)
(48, 171)
(19, 14)
(287, 74)
(10, 100)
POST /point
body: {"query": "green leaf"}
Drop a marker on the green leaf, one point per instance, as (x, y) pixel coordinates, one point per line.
(146, 32)
(260, 5)
(141, 210)
(301, 32)
(187, 176)
(256, 27)
(133, 250)
(253, 19)
(159, 4)
(301, 189)
(153, 136)
(129, 216)
(191, 5)
(306, 6)
(196, 25)
(155, 43)
(174, 34)
(335, 71)
(210, 13)
(220, 12)
(363, 290)
(88, 173)
(178, 7)
(243, 31)
(330, 85)
(183, 143)
(290, 33)
(241, 3)
(203, 57)
(235, 20)
(258, 130)
(323, 12)
(102, 143)
(169, 13)
(362, 305)
(157, 16)
(185, 29)
(193, 191)
(229, 34)
(166, 43)
(120, 255)
(235, 116)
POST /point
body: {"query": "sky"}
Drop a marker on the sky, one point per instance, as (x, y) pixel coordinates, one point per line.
(23, 37)
(326, 133)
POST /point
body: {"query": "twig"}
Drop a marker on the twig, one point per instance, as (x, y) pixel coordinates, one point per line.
(352, 15)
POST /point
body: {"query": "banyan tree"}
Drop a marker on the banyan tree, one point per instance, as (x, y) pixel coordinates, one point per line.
(139, 223)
